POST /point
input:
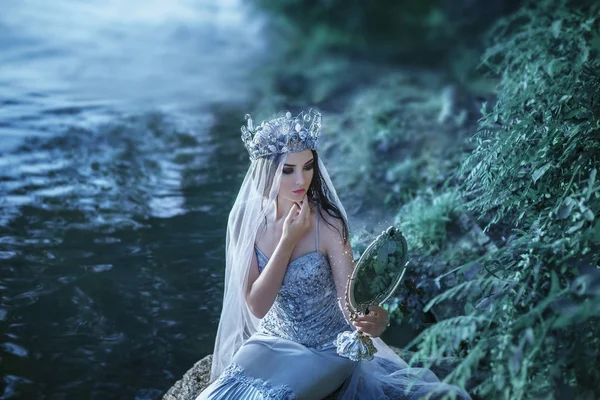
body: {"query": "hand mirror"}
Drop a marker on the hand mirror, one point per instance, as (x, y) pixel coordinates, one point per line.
(376, 276)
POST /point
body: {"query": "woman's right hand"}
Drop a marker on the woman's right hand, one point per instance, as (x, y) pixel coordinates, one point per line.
(297, 224)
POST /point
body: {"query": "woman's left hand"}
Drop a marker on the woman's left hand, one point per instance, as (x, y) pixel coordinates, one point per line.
(374, 323)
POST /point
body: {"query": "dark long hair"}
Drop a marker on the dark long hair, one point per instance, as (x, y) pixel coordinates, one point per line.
(317, 192)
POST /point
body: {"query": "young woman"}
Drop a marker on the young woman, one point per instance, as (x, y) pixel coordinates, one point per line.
(288, 258)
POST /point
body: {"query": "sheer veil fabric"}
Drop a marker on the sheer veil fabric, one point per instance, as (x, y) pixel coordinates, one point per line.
(380, 378)
(254, 200)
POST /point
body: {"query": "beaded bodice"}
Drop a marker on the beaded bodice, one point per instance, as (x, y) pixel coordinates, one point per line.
(306, 308)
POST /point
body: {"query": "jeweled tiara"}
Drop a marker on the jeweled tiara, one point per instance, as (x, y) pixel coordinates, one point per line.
(282, 134)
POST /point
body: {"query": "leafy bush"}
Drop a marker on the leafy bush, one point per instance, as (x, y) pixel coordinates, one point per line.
(337, 23)
(422, 31)
(390, 131)
(546, 119)
(424, 220)
(532, 311)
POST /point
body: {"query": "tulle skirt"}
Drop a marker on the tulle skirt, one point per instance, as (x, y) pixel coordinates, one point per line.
(389, 377)
(269, 367)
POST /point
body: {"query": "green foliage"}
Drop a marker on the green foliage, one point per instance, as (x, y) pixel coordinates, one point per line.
(390, 138)
(428, 32)
(547, 118)
(322, 25)
(531, 324)
(424, 220)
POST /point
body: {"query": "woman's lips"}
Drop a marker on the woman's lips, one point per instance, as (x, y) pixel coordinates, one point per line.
(298, 191)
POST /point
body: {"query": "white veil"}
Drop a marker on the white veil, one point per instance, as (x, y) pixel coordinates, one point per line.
(255, 199)
(257, 193)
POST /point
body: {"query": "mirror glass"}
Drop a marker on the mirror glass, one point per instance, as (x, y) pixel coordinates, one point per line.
(378, 271)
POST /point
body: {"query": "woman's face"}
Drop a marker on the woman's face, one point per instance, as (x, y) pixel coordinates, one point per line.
(297, 173)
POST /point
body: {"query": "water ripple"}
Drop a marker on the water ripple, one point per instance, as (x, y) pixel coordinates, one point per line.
(116, 177)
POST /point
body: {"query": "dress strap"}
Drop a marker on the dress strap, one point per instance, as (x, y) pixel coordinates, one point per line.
(317, 240)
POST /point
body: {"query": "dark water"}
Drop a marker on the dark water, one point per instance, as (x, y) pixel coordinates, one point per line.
(120, 158)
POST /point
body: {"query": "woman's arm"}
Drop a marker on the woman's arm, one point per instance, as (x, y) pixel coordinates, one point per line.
(340, 257)
(262, 288)
(341, 260)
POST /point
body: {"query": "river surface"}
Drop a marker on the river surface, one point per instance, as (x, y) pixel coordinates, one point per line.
(120, 158)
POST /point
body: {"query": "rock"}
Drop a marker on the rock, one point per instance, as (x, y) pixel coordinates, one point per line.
(196, 379)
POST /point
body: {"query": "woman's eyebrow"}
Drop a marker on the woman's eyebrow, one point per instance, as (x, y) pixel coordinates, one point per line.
(292, 165)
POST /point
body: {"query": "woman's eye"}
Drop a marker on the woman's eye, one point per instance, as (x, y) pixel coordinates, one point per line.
(288, 171)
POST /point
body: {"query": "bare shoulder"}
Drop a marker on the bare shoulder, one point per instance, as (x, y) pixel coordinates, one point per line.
(333, 224)
(331, 230)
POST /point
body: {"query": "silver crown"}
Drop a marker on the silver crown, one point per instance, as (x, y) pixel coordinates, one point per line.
(282, 134)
